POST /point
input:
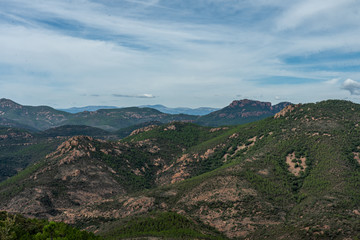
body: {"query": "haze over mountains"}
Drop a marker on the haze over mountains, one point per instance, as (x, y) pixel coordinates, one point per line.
(190, 111)
(43, 117)
(292, 175)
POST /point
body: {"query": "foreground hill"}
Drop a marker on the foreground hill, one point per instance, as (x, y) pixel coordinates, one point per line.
(20, 147)
(295, 175)
(18, 227)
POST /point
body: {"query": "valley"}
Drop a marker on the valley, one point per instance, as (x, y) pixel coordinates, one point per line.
(248, 171)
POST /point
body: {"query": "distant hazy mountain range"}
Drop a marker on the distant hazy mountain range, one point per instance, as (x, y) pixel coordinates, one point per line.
(87, 108)
(41, 118)
(190, 111)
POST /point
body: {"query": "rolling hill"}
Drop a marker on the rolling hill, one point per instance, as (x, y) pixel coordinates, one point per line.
(159, 107)
(42, 118)
(295, 175)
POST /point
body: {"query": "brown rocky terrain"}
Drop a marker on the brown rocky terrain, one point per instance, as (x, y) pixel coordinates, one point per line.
(295, 176)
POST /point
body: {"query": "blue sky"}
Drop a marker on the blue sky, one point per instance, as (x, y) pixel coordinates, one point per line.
(195, 53)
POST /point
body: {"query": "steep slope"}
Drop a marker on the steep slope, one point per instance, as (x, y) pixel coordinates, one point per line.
(84, 171)
(298, 178)
(68, 178)
(239, 112)
(294, 175)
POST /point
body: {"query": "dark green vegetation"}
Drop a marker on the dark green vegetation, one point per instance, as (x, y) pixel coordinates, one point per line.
(40, 118)
(292, 176)
(19, 148)
(124, 132)
(20, 228)
(75, 130)
(43, 117)
(158, 224)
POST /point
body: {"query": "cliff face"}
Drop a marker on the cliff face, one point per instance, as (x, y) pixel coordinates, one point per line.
(241, 111)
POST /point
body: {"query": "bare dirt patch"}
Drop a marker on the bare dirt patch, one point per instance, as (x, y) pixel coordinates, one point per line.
(296, 165)
(283, 112)
(357, 156)
(264, 172)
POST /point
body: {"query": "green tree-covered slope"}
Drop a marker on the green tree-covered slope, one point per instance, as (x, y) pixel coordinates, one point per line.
(295, 175)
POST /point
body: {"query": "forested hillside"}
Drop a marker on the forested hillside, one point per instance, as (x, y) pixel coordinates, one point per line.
(294, 175)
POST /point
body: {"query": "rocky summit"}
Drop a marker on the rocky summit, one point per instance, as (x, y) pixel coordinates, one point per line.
(294, 175)
(241, 111)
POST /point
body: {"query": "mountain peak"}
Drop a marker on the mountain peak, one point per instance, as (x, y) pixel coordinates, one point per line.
(241, 111)
(73, 148)
(7, 103)
(247, 102)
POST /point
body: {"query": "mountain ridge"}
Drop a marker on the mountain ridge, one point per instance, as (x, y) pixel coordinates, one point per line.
(294, 175)
(44, 117)
(241, 111)
(161, 108)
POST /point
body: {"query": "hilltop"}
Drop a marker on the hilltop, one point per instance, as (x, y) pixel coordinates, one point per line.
(159, 107)
(294, 175)
(42, 117)
(240, 112)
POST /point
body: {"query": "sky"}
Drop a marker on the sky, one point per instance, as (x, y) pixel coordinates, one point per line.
(188, 53)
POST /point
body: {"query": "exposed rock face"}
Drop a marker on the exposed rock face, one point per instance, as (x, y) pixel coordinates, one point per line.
(247, 102)
(248, 108)
(144, 129)
(241, 111)
(7, 103)
(225, 206)
(70, 179)
(284, 111)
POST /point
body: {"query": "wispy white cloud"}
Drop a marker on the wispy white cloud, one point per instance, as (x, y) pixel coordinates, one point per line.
(183, 51)
(333, 81)
(313, 13)
(145, 95)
